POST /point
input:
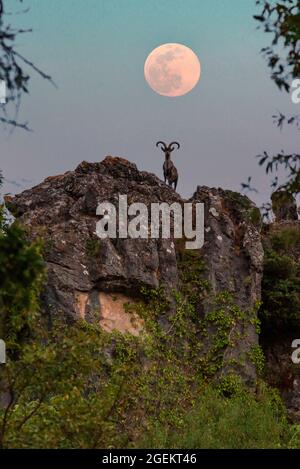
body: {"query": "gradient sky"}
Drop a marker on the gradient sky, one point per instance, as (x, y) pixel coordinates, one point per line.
(95, 50)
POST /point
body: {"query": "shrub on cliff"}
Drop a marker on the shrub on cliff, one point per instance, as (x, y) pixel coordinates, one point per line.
(281, 279)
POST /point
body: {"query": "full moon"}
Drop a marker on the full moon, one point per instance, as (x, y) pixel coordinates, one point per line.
(172, 69)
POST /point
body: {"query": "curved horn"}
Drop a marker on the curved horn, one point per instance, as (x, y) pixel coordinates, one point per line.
(162, 143)
(174, 143)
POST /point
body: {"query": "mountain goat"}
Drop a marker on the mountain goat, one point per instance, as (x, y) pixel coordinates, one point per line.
(170, 171)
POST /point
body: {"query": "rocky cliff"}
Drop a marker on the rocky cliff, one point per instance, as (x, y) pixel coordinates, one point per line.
(93, 279)
(280, 312)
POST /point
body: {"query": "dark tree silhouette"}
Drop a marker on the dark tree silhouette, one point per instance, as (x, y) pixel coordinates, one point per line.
(14, 68)
(281, 20)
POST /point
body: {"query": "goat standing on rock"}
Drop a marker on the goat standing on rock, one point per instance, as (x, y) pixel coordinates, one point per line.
(170, 171)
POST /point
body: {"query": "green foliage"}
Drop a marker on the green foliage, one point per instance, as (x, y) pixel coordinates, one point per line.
(64, 391)
(75, 386)
(281, 279)
(191, 268)
(256, 321)
(244, 420)
(21, 275)
(219, 327)
(286, 240)
(293, 441)
(257, 357)
(230, 385)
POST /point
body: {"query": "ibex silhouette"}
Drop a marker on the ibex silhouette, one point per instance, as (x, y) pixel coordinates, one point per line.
(170, 171)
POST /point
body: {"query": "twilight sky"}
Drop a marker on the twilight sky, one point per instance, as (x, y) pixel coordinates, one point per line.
(95, 50)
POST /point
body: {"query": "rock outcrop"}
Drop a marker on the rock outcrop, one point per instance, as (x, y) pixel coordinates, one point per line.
(234, 256)
(92, 278)
(281, 310)
(80, 266)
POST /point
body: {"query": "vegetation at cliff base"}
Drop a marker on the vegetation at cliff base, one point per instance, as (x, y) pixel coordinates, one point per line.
(75, 386)
(217, 422)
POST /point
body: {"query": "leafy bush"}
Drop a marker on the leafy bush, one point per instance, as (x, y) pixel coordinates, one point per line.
(63, 392)
(21, 275)
(281, 279)
(242, 421)
(75, 386)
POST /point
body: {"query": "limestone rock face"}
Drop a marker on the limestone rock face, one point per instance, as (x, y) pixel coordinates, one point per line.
(62, 210)
(232, 249)
(233, 254)
(91, 278)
